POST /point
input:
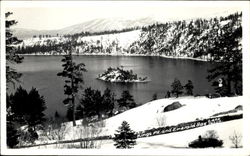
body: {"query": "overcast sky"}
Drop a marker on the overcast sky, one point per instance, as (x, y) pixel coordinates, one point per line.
(53, 17)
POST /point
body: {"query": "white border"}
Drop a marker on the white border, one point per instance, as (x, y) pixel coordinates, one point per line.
(63, 4)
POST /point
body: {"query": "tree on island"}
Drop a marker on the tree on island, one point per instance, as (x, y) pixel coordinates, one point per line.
(227, 50)
(126, 100)
(189, 87)
(125, 137)
(12, 57)
(74, 78)
(177, 87)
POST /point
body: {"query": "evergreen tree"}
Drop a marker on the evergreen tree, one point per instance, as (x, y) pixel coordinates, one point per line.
(27, 107)
(108, 101)
(154, 97)
(37, 105)
(56, 115)
(126, 100)
(69, 114)
(189, 87)
(88, 102)
(227, 50)
(98, 103)
(176, 87)
(74, 78)
(12, 135)
(93, 103)
(24, 108)
(12, 57)
(125, 137)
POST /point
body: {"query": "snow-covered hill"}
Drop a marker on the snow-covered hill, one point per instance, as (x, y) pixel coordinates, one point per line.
(151, 115)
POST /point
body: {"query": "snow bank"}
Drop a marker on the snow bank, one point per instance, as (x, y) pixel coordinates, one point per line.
(182, 139)
(147, 116)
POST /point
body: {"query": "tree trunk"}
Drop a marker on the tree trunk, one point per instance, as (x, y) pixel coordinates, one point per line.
(99, 116)
(229, 84)
(73, 113)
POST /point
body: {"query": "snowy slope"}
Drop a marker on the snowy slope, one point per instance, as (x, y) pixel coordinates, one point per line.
(123, 39)
(181, 139)
(145, 116)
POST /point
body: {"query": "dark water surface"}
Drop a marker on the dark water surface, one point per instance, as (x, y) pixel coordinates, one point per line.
(40, 72)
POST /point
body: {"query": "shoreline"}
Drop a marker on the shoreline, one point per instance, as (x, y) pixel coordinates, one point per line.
(133, 81)
(133, 55)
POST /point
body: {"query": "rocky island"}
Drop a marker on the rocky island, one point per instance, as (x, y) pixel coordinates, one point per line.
(120, 75)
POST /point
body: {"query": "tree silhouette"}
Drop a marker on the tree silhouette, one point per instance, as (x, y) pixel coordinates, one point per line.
(126, 100)
(12, 57)
(227, 50)
(125, 137)
(12, 135)
(74, 78)
(91, 102)
(27, 107)
(189, 87)
(108, 101)
(176, 87)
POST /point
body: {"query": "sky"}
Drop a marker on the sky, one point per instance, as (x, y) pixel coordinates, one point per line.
(49, 17)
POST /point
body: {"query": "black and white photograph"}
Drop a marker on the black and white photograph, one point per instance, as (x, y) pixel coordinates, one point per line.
(119, 77)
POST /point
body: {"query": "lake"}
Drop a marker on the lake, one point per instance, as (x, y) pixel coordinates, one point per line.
(40, 72)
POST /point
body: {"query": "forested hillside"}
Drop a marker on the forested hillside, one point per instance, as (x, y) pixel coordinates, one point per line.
(192, 39)
(184, 38)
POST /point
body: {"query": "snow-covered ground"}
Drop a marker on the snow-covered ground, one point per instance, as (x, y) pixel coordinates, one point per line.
(151, 115)
(124, 39)
(181, 139)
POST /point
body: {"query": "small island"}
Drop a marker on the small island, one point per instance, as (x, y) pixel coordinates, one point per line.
(120, 75)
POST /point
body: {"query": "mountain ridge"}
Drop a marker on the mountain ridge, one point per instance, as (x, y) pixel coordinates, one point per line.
(95, 25)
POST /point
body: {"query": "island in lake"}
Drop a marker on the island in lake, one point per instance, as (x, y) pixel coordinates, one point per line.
(120, 75)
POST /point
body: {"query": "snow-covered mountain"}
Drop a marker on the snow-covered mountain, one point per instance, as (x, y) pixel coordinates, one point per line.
(178, 39)
(95, 25)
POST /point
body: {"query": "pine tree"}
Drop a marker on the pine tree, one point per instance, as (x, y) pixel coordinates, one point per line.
(227, 50)
(189, 87)
(12, 135)
(37, 107)
(12, 57)
(74, 78)
(154, 97)
(126, 100)
(88, 103)
(98, 104)
(108, 101)
(125, 137)
(56, 115)
(176, 87)
(27, 107)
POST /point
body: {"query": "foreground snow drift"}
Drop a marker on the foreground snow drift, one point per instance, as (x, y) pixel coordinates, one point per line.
(182, 139)
(178, 140)
(151, 115)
